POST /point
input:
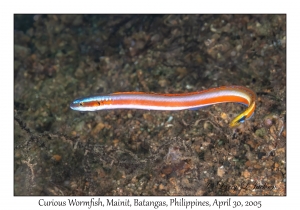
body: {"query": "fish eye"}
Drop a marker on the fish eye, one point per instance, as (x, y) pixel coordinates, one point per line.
(80, 104)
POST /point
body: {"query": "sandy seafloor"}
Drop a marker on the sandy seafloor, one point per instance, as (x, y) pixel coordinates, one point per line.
(58, 151)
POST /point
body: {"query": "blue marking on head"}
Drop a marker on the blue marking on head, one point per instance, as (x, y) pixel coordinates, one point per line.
(242, 119)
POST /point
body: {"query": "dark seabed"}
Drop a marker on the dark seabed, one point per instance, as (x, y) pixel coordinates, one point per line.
(58, 151)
